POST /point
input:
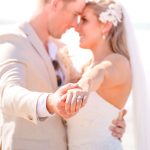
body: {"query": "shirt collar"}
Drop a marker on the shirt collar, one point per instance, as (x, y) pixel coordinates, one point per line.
(52, 50)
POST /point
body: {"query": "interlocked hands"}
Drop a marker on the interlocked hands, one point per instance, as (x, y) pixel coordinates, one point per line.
(67, 100)
(70, 98)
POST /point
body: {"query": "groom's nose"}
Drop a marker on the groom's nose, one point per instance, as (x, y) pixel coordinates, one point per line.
(77, 28)
(75, 23)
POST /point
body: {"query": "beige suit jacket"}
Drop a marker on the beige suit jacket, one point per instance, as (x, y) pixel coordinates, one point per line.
(26, 72)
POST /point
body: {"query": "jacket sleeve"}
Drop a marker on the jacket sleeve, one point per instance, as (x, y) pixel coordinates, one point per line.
(15, 98)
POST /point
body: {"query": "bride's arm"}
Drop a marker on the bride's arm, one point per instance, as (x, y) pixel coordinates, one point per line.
(92, 78)
(112, 71)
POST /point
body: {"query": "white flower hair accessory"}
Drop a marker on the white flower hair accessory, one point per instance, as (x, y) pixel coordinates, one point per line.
(112, 14)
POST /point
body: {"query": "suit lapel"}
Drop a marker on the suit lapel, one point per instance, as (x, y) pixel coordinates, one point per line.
(40, 49)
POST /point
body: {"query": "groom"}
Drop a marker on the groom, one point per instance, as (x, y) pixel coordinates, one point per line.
(28, 86)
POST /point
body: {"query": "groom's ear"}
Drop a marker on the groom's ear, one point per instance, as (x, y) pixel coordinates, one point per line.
(107, 27)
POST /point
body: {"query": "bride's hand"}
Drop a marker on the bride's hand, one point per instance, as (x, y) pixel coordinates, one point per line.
(76, 99)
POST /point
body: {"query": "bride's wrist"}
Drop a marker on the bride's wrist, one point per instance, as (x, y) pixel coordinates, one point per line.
(85, 84)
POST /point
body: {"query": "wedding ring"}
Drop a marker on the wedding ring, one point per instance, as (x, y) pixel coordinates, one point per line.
(80, 97)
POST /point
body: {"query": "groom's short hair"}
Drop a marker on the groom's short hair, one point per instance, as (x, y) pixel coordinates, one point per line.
(46, 1)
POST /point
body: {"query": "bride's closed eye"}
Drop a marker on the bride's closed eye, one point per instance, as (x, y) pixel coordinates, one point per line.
(83, 20)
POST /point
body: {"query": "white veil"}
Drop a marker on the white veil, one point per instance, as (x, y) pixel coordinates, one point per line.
(140, 95)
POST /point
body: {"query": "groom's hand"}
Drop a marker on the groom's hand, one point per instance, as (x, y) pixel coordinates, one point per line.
(119, 125)
(55, 102)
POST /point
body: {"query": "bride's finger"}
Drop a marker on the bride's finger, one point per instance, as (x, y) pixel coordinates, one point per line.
(78, 104)
(68, 102)
(84, 100)
(73, 103)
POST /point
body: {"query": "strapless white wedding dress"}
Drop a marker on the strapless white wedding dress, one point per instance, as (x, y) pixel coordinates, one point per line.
(89, 129)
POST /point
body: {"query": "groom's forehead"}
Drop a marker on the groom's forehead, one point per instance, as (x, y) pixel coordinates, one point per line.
(78, 6)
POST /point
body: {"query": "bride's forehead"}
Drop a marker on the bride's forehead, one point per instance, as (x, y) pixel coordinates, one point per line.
(87, 12)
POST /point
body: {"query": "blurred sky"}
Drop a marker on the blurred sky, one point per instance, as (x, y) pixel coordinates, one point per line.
(15, 10)
(18, 9)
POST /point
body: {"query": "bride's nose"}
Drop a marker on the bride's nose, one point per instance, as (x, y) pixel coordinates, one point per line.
(78, 27)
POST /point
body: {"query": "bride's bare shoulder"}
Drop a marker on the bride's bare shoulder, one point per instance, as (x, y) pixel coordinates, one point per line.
(118, 60)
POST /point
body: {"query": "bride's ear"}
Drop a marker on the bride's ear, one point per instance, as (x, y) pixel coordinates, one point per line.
(107, 27)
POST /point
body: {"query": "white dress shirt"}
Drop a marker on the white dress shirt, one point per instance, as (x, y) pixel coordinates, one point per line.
(42, 111)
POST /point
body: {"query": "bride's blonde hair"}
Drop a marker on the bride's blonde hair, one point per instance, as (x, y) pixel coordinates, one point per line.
(116, 36)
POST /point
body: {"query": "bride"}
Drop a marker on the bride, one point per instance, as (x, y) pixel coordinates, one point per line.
(107, 78)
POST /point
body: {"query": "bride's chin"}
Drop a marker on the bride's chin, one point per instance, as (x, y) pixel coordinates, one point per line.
(83, 45)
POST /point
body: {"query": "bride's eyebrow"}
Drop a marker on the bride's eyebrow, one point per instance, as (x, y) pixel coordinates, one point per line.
(84, 17)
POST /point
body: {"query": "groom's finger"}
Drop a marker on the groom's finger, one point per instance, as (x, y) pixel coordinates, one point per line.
(122, 114)
(67, 87)
(117, 130)
(119, 123)
(63, 100)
